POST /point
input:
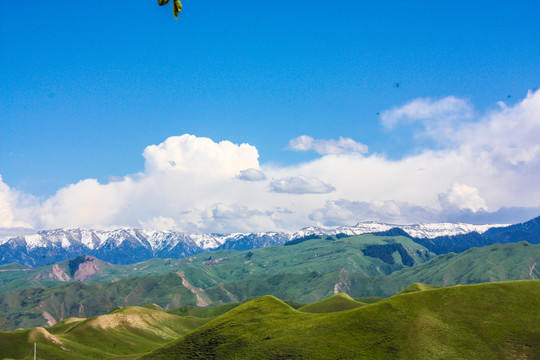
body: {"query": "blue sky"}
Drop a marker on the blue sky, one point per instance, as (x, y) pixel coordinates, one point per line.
(87, 86)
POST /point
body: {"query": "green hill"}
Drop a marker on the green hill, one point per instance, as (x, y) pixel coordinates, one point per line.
(203, 312)
(417, 287)
(499, 262)
(42, 307)
(338, 302)
(486, 321)
(128, 331)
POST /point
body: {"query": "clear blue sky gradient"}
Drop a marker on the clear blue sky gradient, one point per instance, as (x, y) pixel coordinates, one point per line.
(86, 86)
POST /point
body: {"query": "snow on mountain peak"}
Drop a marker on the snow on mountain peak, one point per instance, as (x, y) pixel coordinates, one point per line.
(161, 240)
(430, 231)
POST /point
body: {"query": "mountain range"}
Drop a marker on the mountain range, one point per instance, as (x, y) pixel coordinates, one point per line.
(305, 266)
(130, 245)
(363, 265)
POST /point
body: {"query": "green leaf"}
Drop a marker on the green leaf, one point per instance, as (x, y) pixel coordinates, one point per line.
(177, 6)
(163, 2)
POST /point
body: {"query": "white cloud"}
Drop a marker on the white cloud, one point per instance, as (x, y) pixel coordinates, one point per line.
(9, 199)
(300, 185)
(327, 147)
(439, 118)
(426, 109)
(159, 223)
(461, 196)
(188, 153)
(492, 163)
(251, 175)
(509, 137)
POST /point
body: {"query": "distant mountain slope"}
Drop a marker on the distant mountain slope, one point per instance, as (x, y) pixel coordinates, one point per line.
(528, 231)
(129, 245)
(42, 307)
(486, 321)
(499, 262)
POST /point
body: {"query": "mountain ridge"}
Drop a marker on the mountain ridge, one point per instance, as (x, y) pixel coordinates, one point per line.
(132, 245)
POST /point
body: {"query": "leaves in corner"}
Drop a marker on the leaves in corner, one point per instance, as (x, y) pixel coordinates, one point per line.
(177, 6)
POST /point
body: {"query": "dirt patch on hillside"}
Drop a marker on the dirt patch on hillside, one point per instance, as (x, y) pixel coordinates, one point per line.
(87, 269)
(195, 290)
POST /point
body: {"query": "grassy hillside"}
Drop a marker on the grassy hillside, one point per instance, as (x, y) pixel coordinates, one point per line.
(338, 302)
(499, 262)
(42, 307)
(127, 331)
(487, 321)
(417, 287)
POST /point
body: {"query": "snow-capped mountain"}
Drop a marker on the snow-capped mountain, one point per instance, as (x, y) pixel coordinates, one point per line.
(130, 245)
(429, 231)
(125, 245)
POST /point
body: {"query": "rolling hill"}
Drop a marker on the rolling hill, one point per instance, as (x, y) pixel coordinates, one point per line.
(486, 321)
(126, 331)
(300, 276)
(338, 302)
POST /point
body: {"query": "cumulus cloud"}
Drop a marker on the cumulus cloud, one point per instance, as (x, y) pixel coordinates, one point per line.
(508, 137)
(327, 147)
(487, 172)
(183, 176)
(8, 200)
(251, 175)
(188, 153)
(300, 185)
(461, 196)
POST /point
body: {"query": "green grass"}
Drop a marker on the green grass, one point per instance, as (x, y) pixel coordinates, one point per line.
(486, 321)
(203, 312)
(499, 262)
(368, 299)
(13, 266)
(417, 287)
(338, 302)
(125, 332)
(26, 308)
